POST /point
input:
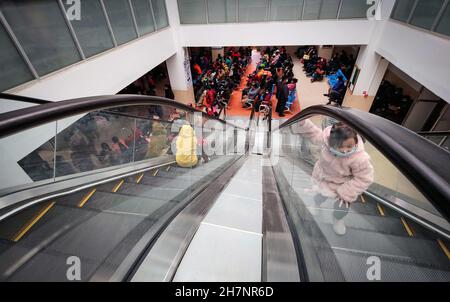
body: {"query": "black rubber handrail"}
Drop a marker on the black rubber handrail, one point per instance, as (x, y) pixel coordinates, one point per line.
(19, 120)
(424, 163)
(24, 99)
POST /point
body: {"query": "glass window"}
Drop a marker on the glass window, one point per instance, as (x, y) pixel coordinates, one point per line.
(14, 70)
(443, 26)
(402, 10)
(252, 10)
(329, 9)
(311, 10)
(426, 12)
(160, 11)
(353, 9)
(221, 11)
(119, 14)
(143, 14)
(286, 10)
(92, 30)
(192, 11)
(43, 33)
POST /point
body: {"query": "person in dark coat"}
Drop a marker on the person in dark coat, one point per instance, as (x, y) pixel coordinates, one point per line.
(282, 96)
(168, 93)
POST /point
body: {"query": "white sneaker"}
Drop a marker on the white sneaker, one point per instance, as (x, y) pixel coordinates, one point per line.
(339, 227)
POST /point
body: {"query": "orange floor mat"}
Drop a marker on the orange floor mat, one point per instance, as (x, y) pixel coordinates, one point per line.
(235, 106)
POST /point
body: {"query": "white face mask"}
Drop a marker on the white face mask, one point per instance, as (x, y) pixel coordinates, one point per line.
(338, 153)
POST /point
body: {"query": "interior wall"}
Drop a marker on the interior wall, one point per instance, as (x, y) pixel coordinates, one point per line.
(342, 32)
(419, 115)
(443, 123)
(421, 55)
(104, 74)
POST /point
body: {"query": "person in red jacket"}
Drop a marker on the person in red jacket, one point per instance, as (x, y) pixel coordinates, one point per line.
(210, 97)
(197, 69)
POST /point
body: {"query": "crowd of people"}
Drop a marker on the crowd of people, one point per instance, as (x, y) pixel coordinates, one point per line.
(119, 136)
(317, 68)
(273, 76)
(146, 85)
(215, 80)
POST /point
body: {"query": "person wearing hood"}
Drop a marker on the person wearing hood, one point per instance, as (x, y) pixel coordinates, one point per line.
(186, 145)
(343, 171)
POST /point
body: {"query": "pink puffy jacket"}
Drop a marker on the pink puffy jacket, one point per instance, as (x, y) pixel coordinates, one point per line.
(337, 177)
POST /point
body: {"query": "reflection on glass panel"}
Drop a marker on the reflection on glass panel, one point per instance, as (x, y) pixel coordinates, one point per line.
(426, 12)
(389, 183)
(31, 163)
(43, 33)
(222, 11)
(329, 9)
(160, 11)
(92, 30)
(119, 15)
(192, 11)
(402, 10)
(14, 69)
(107, 138)
(443, 26)
(311, 10)
(286, 10)
(252, 10)
(143, 14)
(96, 140)
(353, 9)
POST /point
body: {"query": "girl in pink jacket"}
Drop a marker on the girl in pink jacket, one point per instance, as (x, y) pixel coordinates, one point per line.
(343, 171)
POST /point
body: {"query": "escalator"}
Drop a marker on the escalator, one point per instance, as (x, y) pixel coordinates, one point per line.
(101, 214)
(137, 210)
(401, 223)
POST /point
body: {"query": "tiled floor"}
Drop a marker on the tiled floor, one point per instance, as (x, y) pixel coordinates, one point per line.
(309, 94)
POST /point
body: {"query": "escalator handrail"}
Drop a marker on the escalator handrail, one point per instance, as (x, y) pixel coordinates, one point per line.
(22, 119)
(425, 164)
(24, 99)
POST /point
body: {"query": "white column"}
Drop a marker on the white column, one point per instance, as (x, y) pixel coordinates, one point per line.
(178, 66)
(372, 66)
(385, 9)
(372, 69)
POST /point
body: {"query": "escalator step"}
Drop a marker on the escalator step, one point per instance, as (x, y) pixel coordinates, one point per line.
(392, 226)
(125, 204)
(416, 250)
(355, 268)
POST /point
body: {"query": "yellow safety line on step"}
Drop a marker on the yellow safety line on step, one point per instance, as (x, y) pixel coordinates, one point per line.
(407, 227)
(168, 168)
(139, 178)
(444, 248)
(156, 172)
(86, 198)
(363, 199)
(117, 187)
(32, 222)
(380, 209)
